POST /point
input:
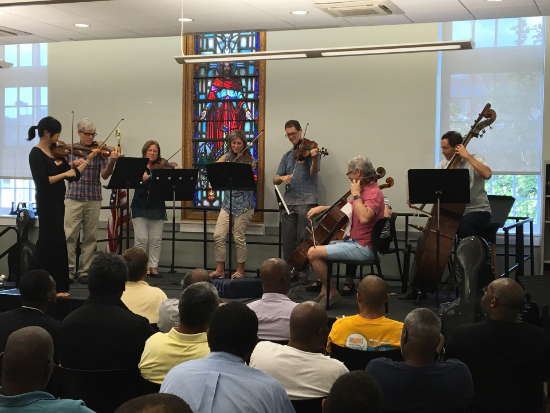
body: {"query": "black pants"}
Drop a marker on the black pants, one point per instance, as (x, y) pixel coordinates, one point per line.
(471, 224)
(294, 228)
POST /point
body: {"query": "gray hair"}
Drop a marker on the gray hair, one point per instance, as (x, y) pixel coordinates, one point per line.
(107, 273)
(85, 125)
(363, 164)
(197, 303)
(423, 325)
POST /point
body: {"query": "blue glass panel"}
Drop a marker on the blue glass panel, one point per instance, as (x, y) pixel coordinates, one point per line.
(535, 31)
(25, 55)
(462, 30)
(25, 96)
(43, 95)
(10, 54)
(485, 33)
(43, 54)
(507, 32)
(10, 96)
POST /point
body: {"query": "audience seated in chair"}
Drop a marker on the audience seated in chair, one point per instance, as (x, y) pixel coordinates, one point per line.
(139, 296)
(104, 334)
(274, 308)
(517, 354)
(369, 330)
(222, 382)
(355, 391)
(301, 367)
(419, 384)
(169, 315)
(38, 296)
(155, 403)
(187, 341)
(26, 365)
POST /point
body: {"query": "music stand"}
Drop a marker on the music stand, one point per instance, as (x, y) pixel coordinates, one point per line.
(231, 176)
(128, 173)
(173, 185)
(438, 186)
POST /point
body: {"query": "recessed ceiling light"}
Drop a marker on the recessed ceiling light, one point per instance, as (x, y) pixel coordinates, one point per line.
(494, 0)
(299, 12)
(81, 25)
(185, 19)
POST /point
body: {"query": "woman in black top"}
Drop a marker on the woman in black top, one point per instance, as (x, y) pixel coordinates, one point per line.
(49, 174)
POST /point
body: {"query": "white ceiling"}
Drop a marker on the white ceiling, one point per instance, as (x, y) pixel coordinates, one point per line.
(117, 19)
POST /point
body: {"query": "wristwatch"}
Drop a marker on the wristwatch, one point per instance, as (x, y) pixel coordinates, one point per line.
(356, 197)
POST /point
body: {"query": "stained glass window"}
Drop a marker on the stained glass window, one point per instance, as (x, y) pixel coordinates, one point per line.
(225, 98)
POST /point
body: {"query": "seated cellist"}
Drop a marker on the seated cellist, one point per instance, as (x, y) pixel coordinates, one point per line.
(367, 208)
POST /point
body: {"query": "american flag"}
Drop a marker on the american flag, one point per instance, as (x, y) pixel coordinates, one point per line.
(115, 225)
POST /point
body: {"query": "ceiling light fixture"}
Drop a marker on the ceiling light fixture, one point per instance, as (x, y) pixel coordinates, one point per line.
(299, 12)
(330, 52)
(81, 25)
(5, 65)
(185, 19)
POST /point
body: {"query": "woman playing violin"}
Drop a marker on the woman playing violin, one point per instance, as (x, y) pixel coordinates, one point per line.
(49, 174)
(148, 215)
(242, 208)
(367, 208)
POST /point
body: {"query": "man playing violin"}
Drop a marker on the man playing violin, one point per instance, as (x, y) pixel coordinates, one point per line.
(83, 202)
(367, 208)
(301, 191)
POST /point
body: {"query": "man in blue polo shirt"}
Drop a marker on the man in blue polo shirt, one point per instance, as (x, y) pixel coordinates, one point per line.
(26, 365)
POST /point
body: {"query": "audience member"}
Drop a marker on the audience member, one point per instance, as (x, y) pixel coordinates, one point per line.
(103, 334)
(38, 296)
(188, 341)
(503, 354)
(313, 373)
(222, 382)
(355, 391)
(139, 296)
(155, 403)
(169, 315)
(369, 330)
(419, 384)
(26, 365)
(274, 308)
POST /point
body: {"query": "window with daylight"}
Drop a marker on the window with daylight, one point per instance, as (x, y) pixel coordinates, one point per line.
(24, 95)
(506, 69)
(226, 96)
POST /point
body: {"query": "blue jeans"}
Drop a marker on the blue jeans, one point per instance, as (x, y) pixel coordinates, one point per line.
(349, 250)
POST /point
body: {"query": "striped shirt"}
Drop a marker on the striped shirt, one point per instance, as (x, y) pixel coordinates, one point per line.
(89, 186)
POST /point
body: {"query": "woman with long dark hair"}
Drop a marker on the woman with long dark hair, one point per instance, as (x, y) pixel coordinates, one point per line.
(49, 174)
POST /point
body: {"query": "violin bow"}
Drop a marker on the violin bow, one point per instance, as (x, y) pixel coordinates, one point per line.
(72, 140)
(119, 122)
(248, 145)
(175, 153)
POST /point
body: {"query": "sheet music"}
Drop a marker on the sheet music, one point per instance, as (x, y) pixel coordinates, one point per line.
(281, 199)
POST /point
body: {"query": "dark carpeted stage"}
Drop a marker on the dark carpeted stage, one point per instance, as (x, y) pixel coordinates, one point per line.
(537, 286)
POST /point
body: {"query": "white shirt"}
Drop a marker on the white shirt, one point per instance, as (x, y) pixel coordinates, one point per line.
(303, 375)
(273, 312)
(478, 197)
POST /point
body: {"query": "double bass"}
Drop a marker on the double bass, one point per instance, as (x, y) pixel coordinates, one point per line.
(330, 223)
(426, 275)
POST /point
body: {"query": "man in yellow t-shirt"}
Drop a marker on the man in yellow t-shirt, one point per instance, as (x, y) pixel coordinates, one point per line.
(369, 330)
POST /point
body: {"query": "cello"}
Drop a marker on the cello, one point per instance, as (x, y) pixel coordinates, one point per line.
(329, 224)
(426, 275)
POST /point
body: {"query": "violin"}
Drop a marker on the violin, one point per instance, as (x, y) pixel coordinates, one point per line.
(61, 149)
(302, 150)
(162, 163)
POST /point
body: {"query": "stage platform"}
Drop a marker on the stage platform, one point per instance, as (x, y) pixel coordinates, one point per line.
(537, 286)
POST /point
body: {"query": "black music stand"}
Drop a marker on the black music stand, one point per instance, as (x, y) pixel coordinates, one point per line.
(128, 173)
(231, 176)
(439, 186)
(173, 185)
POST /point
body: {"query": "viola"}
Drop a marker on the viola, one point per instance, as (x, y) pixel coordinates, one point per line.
(303, 149)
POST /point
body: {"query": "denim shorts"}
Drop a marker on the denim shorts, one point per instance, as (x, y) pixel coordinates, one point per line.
(349, 250)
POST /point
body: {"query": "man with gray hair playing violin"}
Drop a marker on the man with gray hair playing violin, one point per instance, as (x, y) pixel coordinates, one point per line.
(367, 205)
(300, 193)
(83, 202)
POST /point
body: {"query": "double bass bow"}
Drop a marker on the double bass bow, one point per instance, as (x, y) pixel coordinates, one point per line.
(329, 224)
(426, 274)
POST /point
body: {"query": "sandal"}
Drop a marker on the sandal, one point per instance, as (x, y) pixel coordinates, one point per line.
(216, 275)
(237, 275)
(350, 291)
(315, 287)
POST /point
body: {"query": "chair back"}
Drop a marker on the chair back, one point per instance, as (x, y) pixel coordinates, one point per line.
(308, 405)
(376, 233)
(506, 387)
(103, 391)
(358, 359)
(501, 205)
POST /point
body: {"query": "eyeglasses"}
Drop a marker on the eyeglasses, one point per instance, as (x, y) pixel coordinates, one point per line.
(291, 135)
(93, 135)
(348, 173)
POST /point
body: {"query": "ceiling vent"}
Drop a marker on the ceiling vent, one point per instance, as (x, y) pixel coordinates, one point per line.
(359, 8)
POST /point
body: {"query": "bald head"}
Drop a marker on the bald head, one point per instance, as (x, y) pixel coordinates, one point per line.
(308, 322)
(275, 274)
(504, 299)
(27, 361)
(196, 276)
(373, 291)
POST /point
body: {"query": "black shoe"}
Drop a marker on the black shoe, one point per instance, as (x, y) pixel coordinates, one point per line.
(315, 287)
(351, 291)
(413, 295)
(155, 275)
(83, 280)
